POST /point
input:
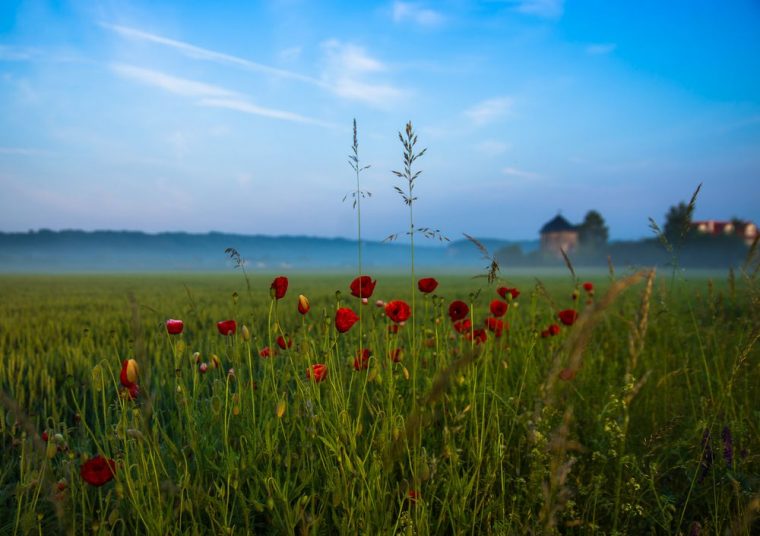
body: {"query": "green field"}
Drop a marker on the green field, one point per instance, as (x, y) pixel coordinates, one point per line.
(641, 418)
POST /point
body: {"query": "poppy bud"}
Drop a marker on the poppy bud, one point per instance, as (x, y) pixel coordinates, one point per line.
(246, 333)
(174, 327)
(128, 374)
(203, 367)
(303, 304)
(215, 361)
(227, 327)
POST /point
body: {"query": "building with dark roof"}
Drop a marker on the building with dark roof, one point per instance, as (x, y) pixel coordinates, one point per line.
(558, 233)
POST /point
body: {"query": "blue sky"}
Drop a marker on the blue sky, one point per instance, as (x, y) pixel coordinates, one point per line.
(236, 116)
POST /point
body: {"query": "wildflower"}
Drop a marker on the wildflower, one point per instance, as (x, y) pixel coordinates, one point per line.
(284, 344)
(215, 361)
(393, 329)
(479, 336)
(380, 303)
(97, 470)
(395, 355)
(567, 374)
(463, 326)
(427, 285)
(458, 310)
(363, 286)
(344, 319)
(398, 311)
(568, 316)
(588, 287)
(227, 327)
(128, 376)
(413, 495)
(45, 436)
(316, 372)
(361, 361)
(513, 292)
(174, 327)
(203, 367)
(132, 392)
(246, 333)
(265, 352)
(303, 304)
(497, 325)
(498, 308)
(279, 287)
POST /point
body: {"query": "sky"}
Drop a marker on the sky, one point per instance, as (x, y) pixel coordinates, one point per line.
(237, 116)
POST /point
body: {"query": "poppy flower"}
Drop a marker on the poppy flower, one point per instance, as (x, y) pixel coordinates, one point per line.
(174, 327)
(427, 285)
(361, 361)
(496, 325)
(203, 367)
(265, 352)
(279, 287)
(363, 286)
(395, 355)
(97, 470)
(567, 374)
(398, 311)
(544, 333)
(553, 330)
(393, 329)
(413, 496)
(45, 436)
(498, 308)
(316, 372)
(284, 344)
(503, 291)
(478, 335)
(568, 316)
(344, 319)
(128, 376)
(227, 327)
(458, 310)
(588, 287)
(463, 326)
(303, 304)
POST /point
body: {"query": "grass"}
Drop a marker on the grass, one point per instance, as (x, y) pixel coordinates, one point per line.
(654, 428)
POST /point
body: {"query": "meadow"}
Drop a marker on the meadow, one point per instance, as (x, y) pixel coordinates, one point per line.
(638, 415)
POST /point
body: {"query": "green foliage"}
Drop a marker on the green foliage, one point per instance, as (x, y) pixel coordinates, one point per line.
(593, 232)
(635, 442)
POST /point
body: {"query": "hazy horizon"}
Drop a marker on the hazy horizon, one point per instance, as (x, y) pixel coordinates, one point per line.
(152, 116)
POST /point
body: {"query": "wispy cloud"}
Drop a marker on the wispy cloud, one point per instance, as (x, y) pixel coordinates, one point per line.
(346, 67)
(600, 49)
(489, 110)
(492, 147)
(250, 108)
(549, 9)
(199, 53)
(172, 84)
(23, 151)
(12, 53)
(209, 95)
(412, 12)
(347, 71)
(520, 173)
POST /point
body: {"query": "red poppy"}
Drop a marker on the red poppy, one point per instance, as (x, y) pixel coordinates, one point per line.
(316, 372)
(458, 310)
(361, 361)
(279, 287)
(132, 392)
(503, 291)
(128, 375)
(427, 285)
(303, 304)
(463, 326)
(544, 333)
(553, 330)
(284, 344)
(227, 327)
(588, 287)
(478, 335)
(395, 355)
(413, 496)
(265, 352)
(344, 319)
(496, 325)
(393, 329)
(499, 308)
(45, 436)
(363, 286)
(174, 327)
(567, 374)
(203, 367)
(568, 316)
(398, 311)
(97, 470)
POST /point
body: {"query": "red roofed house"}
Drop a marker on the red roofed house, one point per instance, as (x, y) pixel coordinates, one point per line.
(743, 229)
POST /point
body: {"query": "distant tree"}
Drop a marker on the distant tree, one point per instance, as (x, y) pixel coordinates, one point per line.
(593, 233)
(678, 222)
